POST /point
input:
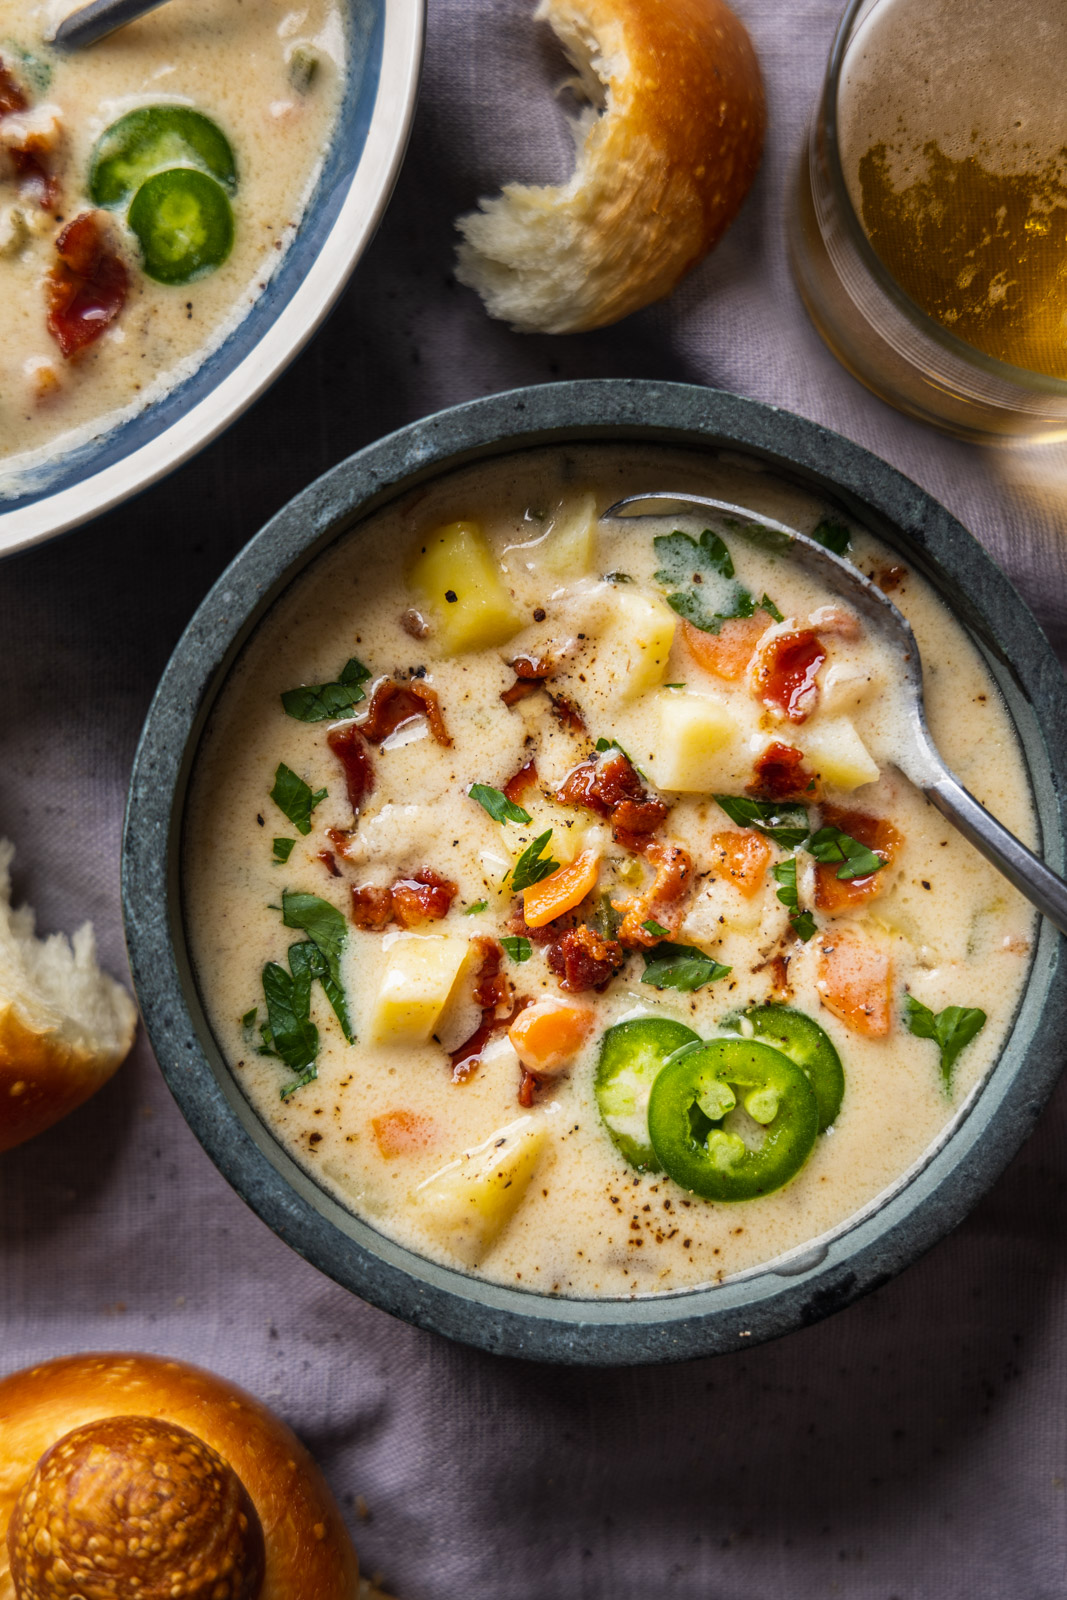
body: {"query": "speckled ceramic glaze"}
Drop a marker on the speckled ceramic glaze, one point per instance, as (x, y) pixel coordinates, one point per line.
(764, 1302)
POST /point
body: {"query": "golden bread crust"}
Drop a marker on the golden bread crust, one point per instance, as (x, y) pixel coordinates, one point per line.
(661, 174)
(43, 1076)
(308, 1551)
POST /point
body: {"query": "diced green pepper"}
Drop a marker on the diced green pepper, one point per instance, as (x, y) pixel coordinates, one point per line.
(631, 1056)
(699, 1087)
(183, 223)
(153, 139)
(800, 1038)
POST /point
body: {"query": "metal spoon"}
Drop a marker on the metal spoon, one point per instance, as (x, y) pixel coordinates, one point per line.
(918, 757)
(101, 17)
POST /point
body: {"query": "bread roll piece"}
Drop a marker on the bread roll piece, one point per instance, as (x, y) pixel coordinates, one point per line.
(162, 1481)
(64, 1025)
(661, 169)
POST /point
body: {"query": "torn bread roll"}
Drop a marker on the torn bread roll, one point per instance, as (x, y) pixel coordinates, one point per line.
(667, 150)
(64, 1025)
(129, 1475)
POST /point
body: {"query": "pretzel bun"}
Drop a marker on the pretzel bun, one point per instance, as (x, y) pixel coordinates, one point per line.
(64, 1025)
(127, 1476)
(661, 170)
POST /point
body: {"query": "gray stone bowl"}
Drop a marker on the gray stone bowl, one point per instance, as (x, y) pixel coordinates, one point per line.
(763, 1303)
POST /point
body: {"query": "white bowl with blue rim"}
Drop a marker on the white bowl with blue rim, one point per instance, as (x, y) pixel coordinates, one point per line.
(357, 179)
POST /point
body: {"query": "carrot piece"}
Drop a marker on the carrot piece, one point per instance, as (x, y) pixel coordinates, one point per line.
(855, 980)
(728, 652)
(401, 1133)
(549, 1034)
(741, 857)
(561, 891)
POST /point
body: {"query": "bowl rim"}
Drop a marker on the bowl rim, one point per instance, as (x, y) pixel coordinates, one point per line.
(361, 211)
(765, 1302)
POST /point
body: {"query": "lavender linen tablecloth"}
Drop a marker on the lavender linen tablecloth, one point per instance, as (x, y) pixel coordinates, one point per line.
(911, 1447)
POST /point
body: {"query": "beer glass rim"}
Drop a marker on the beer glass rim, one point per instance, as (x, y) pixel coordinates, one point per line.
(1004, 371)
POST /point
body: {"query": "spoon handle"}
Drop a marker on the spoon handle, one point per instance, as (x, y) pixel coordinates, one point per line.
(97, 19)
(1020, 866)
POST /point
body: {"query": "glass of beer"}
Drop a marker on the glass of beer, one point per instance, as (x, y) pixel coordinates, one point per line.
(928, 227)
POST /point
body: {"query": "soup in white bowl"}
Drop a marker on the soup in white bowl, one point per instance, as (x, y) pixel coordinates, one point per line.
(554, 898)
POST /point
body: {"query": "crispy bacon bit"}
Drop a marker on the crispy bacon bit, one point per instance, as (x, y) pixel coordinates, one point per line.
(601, 785)
(329, 861)
(840, 894)
(582, 960)
(395, 703)
(674, 868)
(86, 286)
(521, 689)
(346, 742)
(538, 667)
(340, 838)
(528, 1087)
(491, 991)
(424, 897)
(372, 907)
(633, 822)
(12, 96)
(785, 673)
(782, 775)
(29, 148)
(530, 674)
(890, 578)
(524, 779)
(401, 1133)
(728, 652)
(414, 623)
(567, 714)
(779, 967)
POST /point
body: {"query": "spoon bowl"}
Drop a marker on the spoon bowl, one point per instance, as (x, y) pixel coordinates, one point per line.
(917, 756)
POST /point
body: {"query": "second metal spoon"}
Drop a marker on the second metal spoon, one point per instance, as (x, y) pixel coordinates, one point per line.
(918, 757)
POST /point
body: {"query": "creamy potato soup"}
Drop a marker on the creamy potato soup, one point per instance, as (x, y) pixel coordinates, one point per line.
(554, 897)
(149, 187)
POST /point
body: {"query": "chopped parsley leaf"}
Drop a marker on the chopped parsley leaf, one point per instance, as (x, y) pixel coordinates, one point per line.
(294, 798)
(701, 575)
(328, 930)
(518, 948)
(785, 873)
(951, 1030)
(833, 535)
(682, 967)
(479, 905)
(283, 849)
(656, 929)
(532, 865)
(325, 702)
(832, 844)
(497, 804)
(786, 824)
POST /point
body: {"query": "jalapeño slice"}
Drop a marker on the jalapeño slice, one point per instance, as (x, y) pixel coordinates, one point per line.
(151, 139)
(631, 1056)
(183, 224)
(700, 1087)
(800, 1038)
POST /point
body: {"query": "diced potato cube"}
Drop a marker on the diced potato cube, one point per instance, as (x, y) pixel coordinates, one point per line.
(695, 743)
(420, 973)
(636, 642)
(458, 578)
(468, 1204)
(839, 755)
(569, 547)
